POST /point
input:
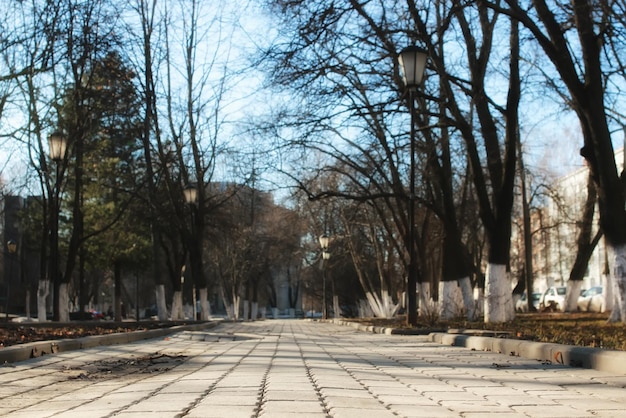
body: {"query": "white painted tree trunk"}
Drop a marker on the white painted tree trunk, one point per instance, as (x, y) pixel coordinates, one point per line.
(246, 309)
(205, 308)
(381, 306)
(609, 296)
(498, 295)
(160, 302)
(450, 300)
(229, 311)
(177, 306)
(64, 306)
(255, 311)
(467, 294)
(479, 306)
(43, 290)
(336, 307)
(375, 305)
(425, 299)
(236, 306)
(571, 296)
(617, 267)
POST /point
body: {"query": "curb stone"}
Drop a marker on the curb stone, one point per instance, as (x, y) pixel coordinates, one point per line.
(21, 352)
(379, 330)
(610, 361)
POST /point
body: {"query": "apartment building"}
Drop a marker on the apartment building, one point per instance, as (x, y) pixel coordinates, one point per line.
(555, 230)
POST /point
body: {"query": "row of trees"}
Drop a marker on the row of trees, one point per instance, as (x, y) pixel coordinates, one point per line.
(493, 67)
(145, 93)
(140, 91)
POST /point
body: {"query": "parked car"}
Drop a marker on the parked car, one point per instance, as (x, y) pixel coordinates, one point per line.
(592, 299)
(522, 306)
(86, 316)
(553, 299)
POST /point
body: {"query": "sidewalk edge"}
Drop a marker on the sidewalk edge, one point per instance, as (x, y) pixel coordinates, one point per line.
(610, 361)
(27, 351)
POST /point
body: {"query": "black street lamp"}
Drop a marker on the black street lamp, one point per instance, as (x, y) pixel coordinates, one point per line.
(412, 62)
(57, 145)
(324, 241)
(190, 193)
(12, 249)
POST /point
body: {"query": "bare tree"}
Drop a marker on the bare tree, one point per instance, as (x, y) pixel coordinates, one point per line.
(347, 103)
(184, 51)
(582, 71)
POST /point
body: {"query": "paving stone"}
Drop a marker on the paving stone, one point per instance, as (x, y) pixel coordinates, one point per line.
(350, 412)
(551, 411)
(221, 411)
(292, 407)
(300, 369)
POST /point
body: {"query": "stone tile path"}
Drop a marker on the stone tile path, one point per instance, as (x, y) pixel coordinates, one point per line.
(295, 368)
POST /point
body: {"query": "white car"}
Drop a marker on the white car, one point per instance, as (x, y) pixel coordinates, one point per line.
(591, 300)
(522, 305)
(553, 299)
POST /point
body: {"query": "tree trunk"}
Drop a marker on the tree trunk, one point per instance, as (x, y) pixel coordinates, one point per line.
(255, 311)
(468, 298)
(236, 305)
(585, 246)
(64, 299)
(617, 265)
(528, 242)
(336, 307)
(246, 310)
(177, 306)
(43, 290)
(160, 302)
(498, 296)
(450, 292)
(423, 290)
(571, 296)
(205, 308)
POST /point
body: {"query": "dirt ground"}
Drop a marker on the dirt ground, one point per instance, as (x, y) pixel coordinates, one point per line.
(12, 333)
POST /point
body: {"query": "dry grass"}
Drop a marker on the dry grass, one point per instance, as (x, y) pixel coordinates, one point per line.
(13, 334)
(581, 329)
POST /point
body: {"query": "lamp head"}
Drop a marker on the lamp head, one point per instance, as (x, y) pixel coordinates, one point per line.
(412, 61)
(57, 144)
(324, 241)
(190, 193)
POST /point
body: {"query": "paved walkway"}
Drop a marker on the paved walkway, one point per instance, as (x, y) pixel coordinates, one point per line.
(295, 368)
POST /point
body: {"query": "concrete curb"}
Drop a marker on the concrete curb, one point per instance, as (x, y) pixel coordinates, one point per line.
(611, 361)
(26, 351)
(377, 329)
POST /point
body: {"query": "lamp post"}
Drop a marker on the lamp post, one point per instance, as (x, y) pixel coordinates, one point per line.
(57, 145)
(190, 193)
(324, 241)
(412, 62)
(12, 249)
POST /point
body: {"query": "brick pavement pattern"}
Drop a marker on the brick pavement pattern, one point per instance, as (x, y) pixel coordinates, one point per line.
(296, 368)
